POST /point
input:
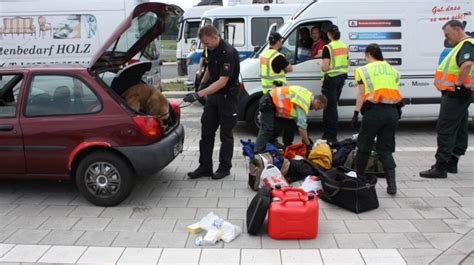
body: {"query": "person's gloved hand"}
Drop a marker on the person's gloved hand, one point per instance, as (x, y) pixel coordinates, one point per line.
(355, 120)
(191, 97)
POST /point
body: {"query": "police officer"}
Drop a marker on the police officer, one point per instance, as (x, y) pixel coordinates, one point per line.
(221, 88)
(454, 78)
(379, 101)
(334, 65)
(273, 64)
(296, 109)
(273, 69)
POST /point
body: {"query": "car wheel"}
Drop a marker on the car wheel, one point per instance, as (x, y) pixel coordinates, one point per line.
(252, 117)
(104, 179)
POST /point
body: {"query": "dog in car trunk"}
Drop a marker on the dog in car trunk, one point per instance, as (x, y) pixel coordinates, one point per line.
(147, 99)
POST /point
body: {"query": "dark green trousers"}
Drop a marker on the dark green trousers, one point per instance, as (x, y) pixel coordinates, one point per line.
(452, 127)
(380, 121)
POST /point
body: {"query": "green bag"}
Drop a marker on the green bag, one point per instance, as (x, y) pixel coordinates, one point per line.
(374, 166)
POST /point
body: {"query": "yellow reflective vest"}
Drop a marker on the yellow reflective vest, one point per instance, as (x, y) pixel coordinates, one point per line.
(448, 71)
(266, 70)
(380, 81)
(338, 63)
(286, 97)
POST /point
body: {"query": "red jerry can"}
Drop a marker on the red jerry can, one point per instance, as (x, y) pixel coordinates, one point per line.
(293, 214)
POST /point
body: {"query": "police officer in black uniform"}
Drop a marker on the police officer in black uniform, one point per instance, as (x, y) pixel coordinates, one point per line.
(220, 85)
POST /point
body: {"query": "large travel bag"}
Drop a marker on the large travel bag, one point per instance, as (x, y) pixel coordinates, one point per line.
(356, 194)
(293, 214)
(257, 210)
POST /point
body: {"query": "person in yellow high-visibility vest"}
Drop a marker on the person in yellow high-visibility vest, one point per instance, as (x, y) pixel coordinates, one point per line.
(292, 103)
(273, 64)
(379, 100)
(455, 79)
(334, 65)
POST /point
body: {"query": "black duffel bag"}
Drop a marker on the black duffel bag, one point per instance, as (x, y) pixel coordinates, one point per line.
(354, 194)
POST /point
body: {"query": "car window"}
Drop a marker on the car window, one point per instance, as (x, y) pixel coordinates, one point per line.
(260, 27)
(60, 95)
(10, 85)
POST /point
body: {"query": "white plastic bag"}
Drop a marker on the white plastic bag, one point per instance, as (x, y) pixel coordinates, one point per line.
(312, 184)
(230, 232)
(271, 176)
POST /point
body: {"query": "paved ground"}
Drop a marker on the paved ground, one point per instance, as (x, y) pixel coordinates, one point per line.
(428, 221)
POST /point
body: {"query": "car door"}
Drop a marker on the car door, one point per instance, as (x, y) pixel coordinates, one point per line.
(12, 157)
(60, 112)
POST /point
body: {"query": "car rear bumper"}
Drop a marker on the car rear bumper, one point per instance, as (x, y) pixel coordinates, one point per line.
(149, 159)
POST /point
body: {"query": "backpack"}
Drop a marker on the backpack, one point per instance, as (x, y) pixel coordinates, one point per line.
(374, 166)
(257, 210)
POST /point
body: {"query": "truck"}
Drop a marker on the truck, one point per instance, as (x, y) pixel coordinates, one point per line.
(409, 33)
(187, 36)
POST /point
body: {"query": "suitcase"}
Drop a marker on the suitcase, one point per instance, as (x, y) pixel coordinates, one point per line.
(293, 214)
(257, 210)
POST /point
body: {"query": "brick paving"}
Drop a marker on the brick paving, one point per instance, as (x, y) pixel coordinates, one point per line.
(428, 221)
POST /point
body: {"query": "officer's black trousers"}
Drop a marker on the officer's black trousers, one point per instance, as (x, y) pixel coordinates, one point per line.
(220, 111)
(380, 121)
(331, 88)
(452, 127)
(271, 126)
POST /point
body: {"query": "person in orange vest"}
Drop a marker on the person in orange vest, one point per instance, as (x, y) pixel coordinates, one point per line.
(378, 100)
(334, 65)
(454, 78)
(287, 102)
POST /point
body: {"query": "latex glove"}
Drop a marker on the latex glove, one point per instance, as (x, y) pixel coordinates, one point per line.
(191, 97)
(355, 120)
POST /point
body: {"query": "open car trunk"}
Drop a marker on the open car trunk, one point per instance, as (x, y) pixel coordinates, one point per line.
(143, 26)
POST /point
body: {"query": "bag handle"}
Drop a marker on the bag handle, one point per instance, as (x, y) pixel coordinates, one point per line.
(293, 199)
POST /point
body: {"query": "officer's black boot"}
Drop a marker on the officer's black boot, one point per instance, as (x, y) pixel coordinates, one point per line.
(453, 164)
(200, 172)
(438, 171)
(391, 184)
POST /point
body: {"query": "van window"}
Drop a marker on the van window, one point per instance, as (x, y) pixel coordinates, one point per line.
(232, 30)
(260, 28)
(297, 46)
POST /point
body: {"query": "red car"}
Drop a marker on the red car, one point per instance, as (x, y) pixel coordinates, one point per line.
(66, 122)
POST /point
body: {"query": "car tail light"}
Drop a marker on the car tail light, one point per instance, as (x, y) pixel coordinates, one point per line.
(132, 61)
(177, 109)
(189, 61)
(149, 125)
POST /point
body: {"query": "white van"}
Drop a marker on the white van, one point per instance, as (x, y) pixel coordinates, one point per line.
(243, 26)
(187, 35)
(64, 31)
(408, 31)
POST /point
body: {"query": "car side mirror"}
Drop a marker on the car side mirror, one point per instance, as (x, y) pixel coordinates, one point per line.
(256, 49)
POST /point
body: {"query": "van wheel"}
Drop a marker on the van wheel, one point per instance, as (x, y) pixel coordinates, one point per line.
(252, 117)
(104, 179)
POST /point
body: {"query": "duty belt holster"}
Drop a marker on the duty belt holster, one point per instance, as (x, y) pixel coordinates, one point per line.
(267, 103)
(462, 93)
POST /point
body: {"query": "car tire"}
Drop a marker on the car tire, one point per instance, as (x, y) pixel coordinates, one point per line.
(252, 117)
(101, 186)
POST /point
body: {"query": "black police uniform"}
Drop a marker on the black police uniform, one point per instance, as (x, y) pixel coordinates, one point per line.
(221, 108)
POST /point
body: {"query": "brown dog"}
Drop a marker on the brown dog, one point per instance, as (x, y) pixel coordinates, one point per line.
(145, 98)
